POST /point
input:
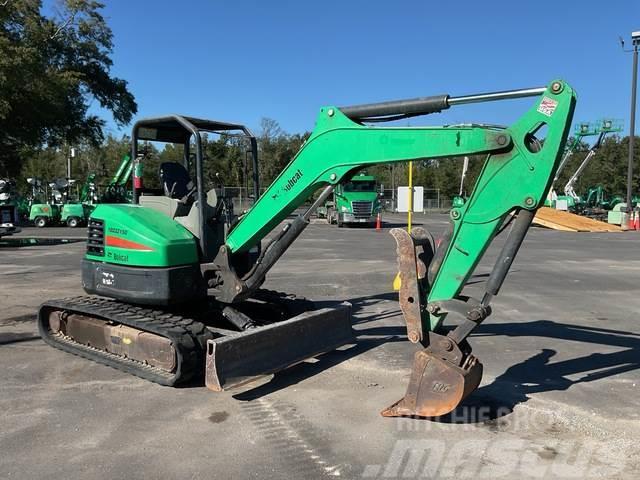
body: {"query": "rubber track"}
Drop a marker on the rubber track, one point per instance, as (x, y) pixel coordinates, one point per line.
(188, 337)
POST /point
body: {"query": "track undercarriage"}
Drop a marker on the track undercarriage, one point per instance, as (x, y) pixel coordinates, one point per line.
(171, 348)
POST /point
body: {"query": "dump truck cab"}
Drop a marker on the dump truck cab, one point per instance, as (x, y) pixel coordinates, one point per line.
(355, 202)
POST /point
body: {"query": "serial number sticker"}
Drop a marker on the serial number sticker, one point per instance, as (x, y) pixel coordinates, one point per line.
(547, 106)
(108, 278)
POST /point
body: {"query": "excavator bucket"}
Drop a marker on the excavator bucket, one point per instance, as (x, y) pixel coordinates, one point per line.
(437, 386)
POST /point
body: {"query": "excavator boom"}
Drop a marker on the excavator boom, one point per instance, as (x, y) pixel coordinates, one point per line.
(516, 174)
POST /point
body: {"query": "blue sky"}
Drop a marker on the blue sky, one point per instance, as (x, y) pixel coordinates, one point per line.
(240, 61)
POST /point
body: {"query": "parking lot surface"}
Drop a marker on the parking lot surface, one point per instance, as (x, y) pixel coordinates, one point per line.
(560, 397)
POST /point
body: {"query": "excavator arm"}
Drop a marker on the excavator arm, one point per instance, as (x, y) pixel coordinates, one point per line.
(339, 146)
(325, 160)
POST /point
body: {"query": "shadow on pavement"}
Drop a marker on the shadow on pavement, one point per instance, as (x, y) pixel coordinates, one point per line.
(539, 373)
(9, 242)
(11, 337)
(536, 374)
(366, 338)
(305, 370)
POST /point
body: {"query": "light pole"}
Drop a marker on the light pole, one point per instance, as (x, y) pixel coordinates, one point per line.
(635, 40)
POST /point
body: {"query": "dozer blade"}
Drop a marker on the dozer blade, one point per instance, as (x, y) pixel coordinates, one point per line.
(437, 385)
(238, 359)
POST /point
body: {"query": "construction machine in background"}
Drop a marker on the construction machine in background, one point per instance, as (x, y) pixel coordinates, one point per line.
(595, 203)
(578, 204)
(176, 278)
(54, 203)
(75, 211)
(41, 211)
(9, 211)
(60, 207)
(116, 190)
(582, 130)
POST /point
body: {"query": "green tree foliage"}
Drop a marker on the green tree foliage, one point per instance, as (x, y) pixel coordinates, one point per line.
(49, 163)
(276, 149)
(226, 159)
(51, 69)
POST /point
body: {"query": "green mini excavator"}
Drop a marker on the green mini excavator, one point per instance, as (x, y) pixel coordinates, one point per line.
(175, 278)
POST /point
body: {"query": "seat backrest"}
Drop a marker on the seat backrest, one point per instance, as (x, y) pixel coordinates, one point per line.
(192, 221)
(169, 206)
(176, 181)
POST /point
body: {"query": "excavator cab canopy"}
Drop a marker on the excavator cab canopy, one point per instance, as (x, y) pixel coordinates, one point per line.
(187, 131)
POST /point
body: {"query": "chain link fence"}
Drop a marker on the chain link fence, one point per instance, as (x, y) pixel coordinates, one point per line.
(241, 197)
(433, 201)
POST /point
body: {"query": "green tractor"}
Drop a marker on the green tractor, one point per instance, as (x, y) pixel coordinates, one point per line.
(355, 201)
(76, 213)
(62, 208)
(176, 278)
(41, 211)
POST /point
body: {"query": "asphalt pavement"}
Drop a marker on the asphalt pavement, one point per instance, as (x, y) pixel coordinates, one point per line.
(560, 397)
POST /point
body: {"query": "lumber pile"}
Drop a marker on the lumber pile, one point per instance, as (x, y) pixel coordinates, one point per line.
(570, 222)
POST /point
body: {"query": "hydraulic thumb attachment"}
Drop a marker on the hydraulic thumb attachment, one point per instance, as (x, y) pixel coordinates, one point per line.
(445, 372)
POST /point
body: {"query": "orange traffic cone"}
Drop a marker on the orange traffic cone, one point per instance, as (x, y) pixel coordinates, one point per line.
(631, 223)
(378, 222)
(636, 220)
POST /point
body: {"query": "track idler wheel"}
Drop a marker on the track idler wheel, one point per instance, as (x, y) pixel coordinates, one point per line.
(443, 375)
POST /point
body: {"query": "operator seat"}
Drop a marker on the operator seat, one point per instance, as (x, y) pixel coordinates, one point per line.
(179, 199)
(176, 182)
(178, 191)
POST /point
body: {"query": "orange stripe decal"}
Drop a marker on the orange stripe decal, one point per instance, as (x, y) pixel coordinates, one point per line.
(124, 243)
